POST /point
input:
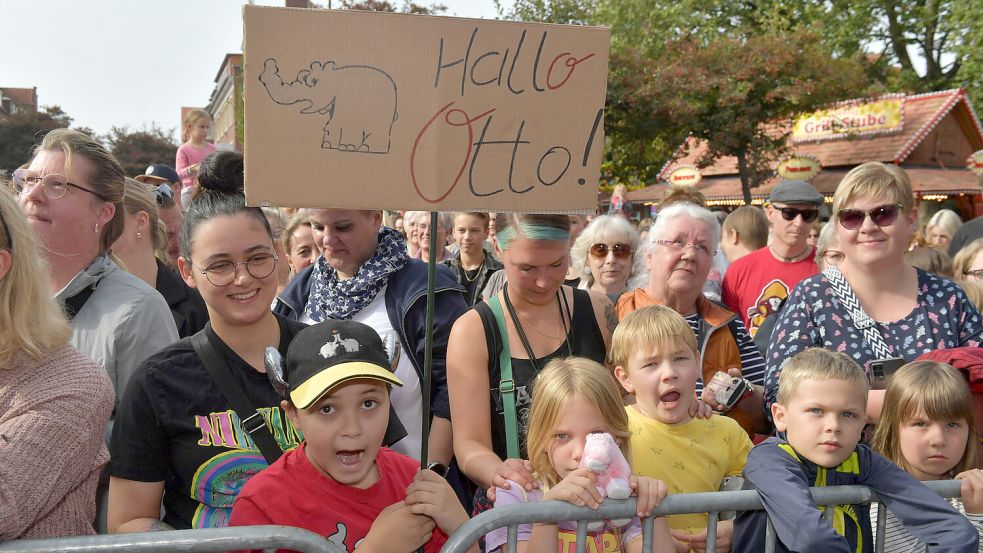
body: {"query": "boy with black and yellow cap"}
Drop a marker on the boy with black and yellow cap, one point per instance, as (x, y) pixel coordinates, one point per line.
(341, 482)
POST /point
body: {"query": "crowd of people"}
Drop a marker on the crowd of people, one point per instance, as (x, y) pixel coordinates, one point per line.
(194, 362)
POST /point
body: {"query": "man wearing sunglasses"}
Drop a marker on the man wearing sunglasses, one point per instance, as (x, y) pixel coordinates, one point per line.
(167, 188)
(757, 284)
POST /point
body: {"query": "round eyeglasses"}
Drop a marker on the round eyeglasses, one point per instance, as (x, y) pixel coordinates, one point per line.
(224, 273)
(54, 186)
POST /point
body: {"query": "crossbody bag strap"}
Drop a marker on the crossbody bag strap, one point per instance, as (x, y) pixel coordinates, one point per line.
(250, 418)
(506, 385)
(74, 304)
(864, 323)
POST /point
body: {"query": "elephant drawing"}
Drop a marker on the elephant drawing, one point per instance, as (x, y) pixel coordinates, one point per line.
(359, 102)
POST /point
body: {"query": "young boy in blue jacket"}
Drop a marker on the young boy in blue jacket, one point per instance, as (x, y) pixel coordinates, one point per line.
(822, 397)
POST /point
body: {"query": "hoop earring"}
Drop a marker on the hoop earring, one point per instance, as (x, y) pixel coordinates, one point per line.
(139, 235)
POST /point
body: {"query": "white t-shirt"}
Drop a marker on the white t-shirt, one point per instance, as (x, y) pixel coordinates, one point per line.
(407, 399)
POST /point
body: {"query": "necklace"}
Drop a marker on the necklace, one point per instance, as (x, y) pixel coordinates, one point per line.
(476, 272)
(790, 259)
(522, 335)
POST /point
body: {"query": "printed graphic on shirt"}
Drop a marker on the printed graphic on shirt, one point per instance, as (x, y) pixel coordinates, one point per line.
(341, 536)
(601, 542)
(523, 405)
(769, 301)
(220, 478)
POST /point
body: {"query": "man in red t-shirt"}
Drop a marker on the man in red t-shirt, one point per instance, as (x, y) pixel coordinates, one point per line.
(756, 285)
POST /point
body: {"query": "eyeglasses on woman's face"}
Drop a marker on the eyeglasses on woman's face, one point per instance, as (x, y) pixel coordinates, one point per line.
(882, 216)
(224, 273)
(679, 245)
(53, 185)
(974, 275)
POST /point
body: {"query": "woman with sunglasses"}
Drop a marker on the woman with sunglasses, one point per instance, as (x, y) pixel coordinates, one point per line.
(143, 250)
(72, 194)
(543, 319)
(54, 401)
(872, 305)
(178, 437)
(603, 256)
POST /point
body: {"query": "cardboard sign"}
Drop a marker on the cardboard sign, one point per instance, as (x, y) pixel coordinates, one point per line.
(684, 175)
(366, 110)
(851, 118)
(799, 168)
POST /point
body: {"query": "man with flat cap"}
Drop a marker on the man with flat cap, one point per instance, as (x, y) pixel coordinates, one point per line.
(756, 285)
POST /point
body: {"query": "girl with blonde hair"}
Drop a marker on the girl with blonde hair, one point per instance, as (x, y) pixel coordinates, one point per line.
(196, 147)
(574, 397)
(927, 428)
(54, 401)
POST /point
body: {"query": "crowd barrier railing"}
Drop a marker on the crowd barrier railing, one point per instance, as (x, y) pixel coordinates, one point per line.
(206, 540)
(271, 538)
(712, 502)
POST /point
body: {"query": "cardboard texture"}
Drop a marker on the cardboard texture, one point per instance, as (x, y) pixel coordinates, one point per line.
(366, 110)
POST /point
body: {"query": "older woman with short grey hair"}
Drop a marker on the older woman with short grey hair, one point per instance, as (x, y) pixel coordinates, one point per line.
(683, 241)
(606, 257)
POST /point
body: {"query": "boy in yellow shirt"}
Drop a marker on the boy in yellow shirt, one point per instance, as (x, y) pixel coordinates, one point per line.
(655, 357)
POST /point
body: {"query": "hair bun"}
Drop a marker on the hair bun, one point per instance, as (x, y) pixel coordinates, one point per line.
(222, 172)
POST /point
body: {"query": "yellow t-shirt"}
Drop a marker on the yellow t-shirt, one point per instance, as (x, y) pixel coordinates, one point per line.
(691, 457)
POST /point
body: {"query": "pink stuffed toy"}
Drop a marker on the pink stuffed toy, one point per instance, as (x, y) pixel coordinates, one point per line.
(603, 457)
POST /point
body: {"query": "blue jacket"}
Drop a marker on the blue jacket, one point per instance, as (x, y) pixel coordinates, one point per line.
(782, 478)
(406, 304)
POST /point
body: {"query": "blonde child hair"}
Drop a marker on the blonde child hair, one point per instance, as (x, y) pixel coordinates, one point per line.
(655, 326)
(559, 382)
(819, 364)
(190, 119)
(937, 390)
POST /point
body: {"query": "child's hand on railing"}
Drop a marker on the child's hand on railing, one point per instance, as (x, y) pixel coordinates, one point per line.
(578, 488)
(650, 493)
(972, 490)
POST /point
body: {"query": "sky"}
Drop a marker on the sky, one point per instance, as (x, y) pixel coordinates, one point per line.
(132, 62)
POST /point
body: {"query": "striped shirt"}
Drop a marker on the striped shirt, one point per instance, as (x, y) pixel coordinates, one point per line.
(752, 363)
(898, 540)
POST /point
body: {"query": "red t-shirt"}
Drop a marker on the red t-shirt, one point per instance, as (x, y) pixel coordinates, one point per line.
(756, 284)
(291, 492)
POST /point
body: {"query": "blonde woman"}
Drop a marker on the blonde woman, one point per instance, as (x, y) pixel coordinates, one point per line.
(54, 401)
(968, 263)
(142, 248)
(911, 311)
(942, 227)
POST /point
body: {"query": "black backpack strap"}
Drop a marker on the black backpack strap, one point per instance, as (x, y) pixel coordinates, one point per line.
(492, 335)
(251, 419)
(75, 303)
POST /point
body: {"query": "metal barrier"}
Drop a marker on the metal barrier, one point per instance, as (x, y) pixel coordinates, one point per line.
(712, 502)
(208, 540)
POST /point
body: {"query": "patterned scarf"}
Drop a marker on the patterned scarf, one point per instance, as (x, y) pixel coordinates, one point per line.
(332, 298)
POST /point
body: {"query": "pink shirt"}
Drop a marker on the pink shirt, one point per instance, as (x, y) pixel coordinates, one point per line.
(188, 155)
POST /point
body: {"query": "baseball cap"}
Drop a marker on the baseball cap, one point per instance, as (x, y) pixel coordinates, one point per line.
(795, 192)
(158, 172)
(329, 353)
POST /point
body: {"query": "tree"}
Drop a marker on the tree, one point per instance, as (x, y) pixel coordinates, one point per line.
(387, 6)
(23, 130)
(738, 95)
(136, 150)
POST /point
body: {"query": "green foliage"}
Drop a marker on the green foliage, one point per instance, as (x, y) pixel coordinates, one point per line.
(387, 6)
(135, 150)
(568, 12)
(22, 131)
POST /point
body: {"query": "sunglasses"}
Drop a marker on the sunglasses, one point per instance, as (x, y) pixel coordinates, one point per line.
(621, 251)
(161, 192)
(790, 213)
(882, 216)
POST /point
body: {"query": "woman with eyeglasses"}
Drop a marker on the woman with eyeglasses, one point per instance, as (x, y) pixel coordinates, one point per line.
(872, 305)
(72, 194)
(142, 248)
(968, 263)
(683, 242)
(543, 319)
(178, 437)
(604, 256)
(54, 401)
